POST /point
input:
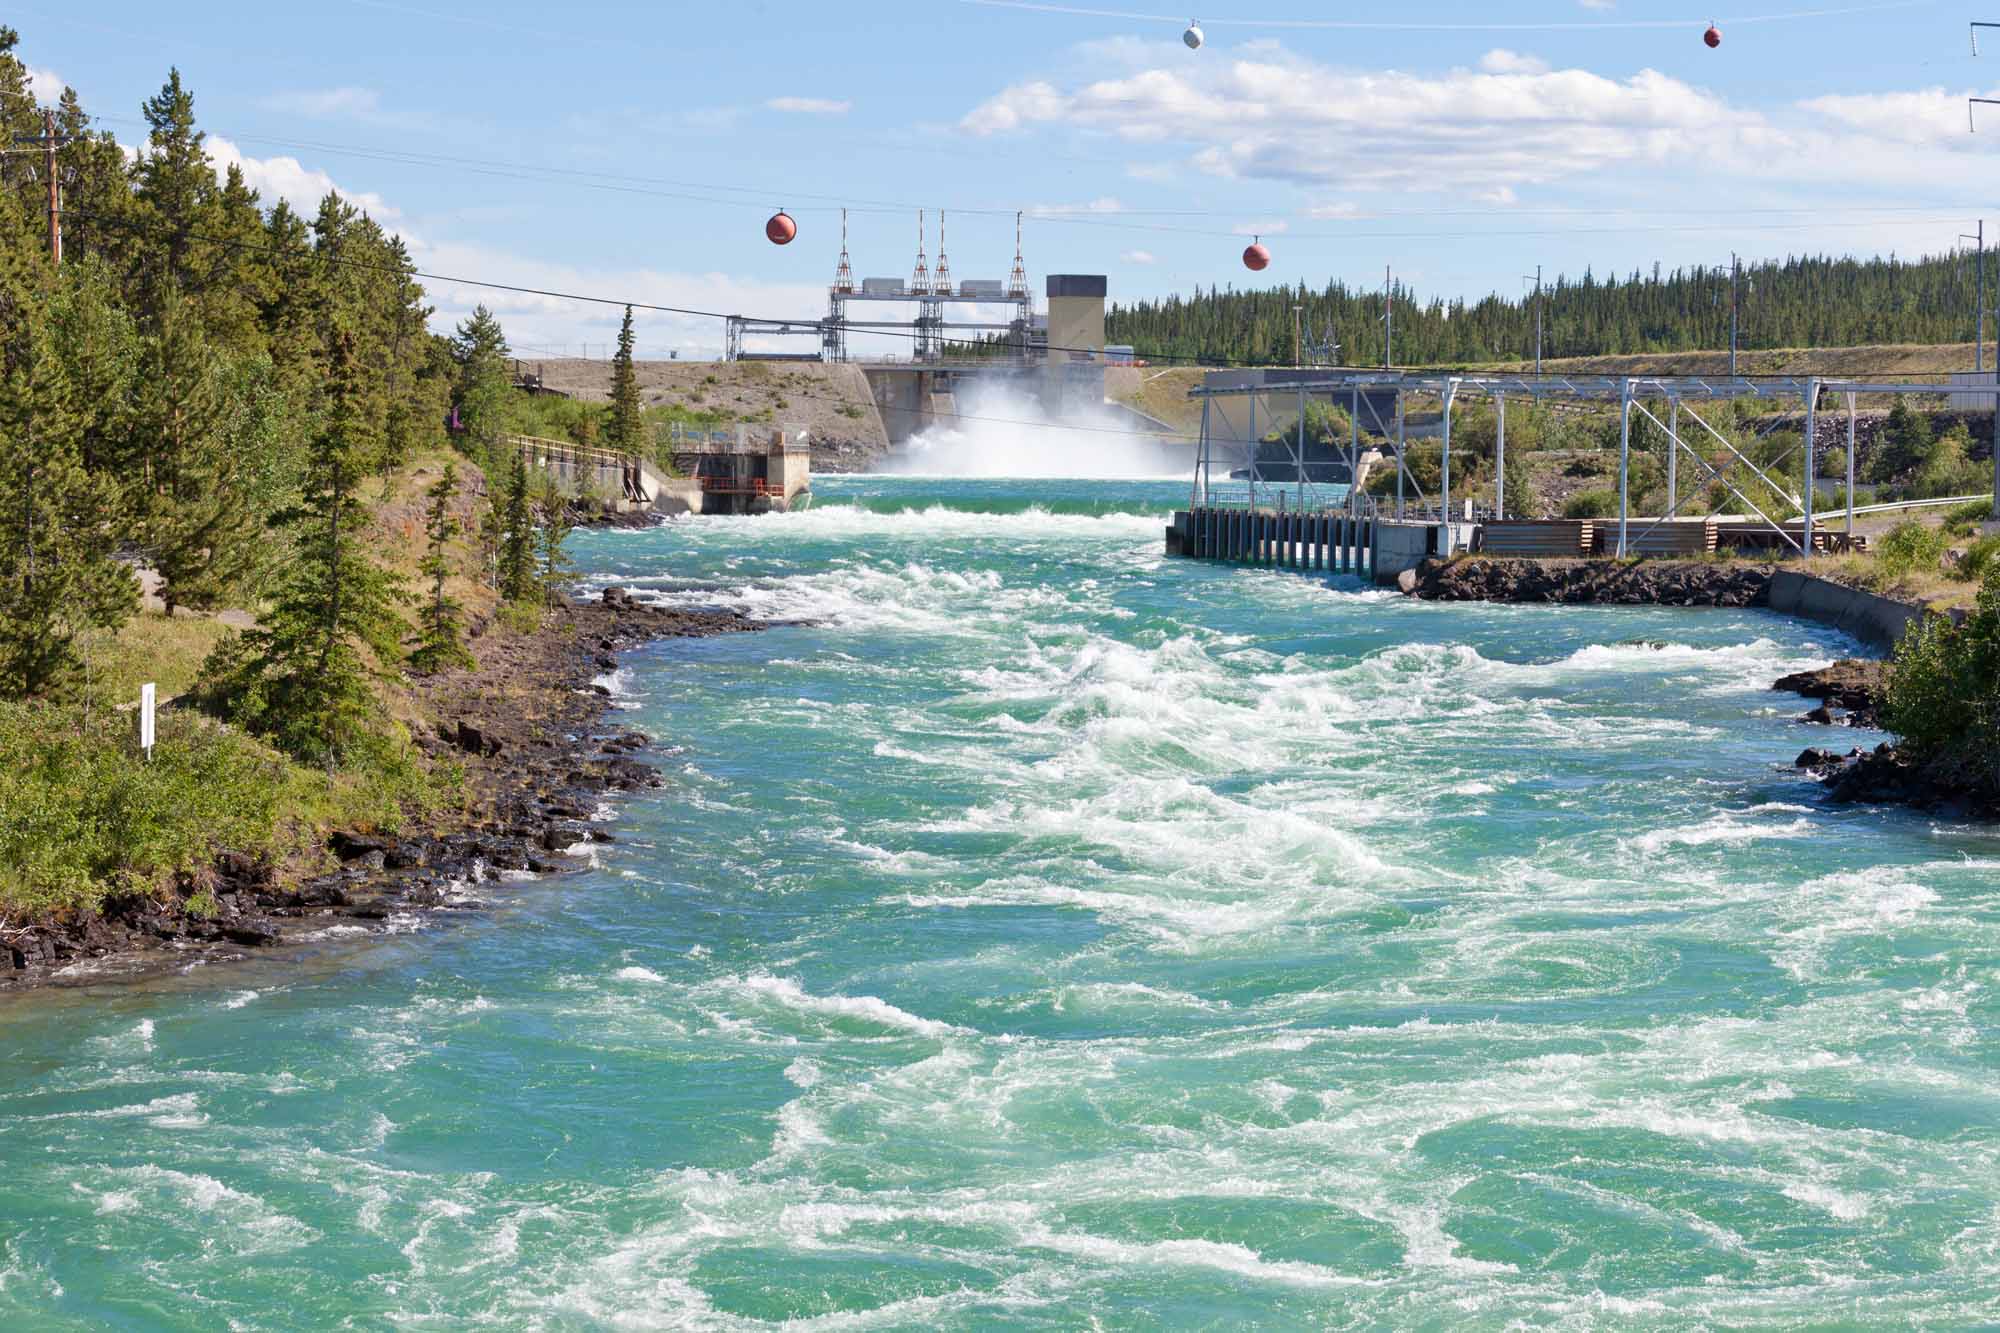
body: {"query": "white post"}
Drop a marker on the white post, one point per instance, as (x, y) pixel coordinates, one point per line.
(1402, 463)
(1500, 458)
(1812, 440)
(1199, 490)
(1444, 498)
(1256, 451)
(1673, 455)
(1624, 464)
(1353, 447)
(1299, 454)
(147, 724)
(1850, 469)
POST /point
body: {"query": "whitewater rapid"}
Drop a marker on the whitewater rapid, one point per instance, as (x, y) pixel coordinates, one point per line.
(1035, 931)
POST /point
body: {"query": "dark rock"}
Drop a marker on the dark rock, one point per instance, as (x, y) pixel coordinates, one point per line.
(356, 846)
(475, 740)
(1821, 716)
(252, 932)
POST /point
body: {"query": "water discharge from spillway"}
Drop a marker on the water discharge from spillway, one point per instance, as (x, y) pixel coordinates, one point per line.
(1037, 932)
(1001, 431)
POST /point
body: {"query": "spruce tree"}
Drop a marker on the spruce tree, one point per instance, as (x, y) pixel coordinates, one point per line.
(197, 526)
(517, 536)
(484, 392)
(57, 577)
(627, 434)
(307, 678)
(439, 645)
(556, 525)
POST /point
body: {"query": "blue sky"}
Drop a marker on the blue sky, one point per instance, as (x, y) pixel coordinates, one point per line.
(633, 151)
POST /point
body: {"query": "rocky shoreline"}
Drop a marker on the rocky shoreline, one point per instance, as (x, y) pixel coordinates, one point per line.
(1589, 582)
(1851, 694)
(533, 731)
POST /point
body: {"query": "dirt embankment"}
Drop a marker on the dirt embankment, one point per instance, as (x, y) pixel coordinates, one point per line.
(539, 751)
(831, 403)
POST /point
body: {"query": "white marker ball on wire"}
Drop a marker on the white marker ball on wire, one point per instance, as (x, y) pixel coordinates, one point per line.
(1193, 36)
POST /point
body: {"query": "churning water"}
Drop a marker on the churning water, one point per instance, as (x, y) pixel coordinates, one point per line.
(1044, 934)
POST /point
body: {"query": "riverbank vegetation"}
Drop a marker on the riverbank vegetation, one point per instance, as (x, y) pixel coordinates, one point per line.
(233, 447)
(1944, 696)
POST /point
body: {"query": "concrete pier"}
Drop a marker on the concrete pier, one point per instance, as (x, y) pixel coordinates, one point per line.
(1322, 542)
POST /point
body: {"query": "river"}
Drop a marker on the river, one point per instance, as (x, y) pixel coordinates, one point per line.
(1040, 933)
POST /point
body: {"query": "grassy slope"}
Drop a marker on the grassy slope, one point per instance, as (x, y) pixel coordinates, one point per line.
(81, 814)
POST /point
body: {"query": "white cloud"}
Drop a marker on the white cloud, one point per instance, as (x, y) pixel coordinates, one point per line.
(1105, 204)
(328, 103)
(1139, 257)
(537, 324)
(810, 106)
(1503, 61)
(1281, 118)
(45, 85)
(1490, 133)
(286, 178)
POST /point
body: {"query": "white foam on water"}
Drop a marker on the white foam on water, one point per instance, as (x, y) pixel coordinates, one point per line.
(760, 993)
(190, 1199)
(638, 974)
(240, 999)
(1726, 829)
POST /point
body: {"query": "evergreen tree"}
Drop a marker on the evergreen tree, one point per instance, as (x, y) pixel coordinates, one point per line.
(57, 577)
(439, 645)
(307, 677)
(517, 536)
(485, 391)
(1905, 442)
(556, 525)
(196, 520)
(174, 187)
(627, 432)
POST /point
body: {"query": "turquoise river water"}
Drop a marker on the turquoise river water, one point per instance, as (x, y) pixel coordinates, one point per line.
(1044, 934)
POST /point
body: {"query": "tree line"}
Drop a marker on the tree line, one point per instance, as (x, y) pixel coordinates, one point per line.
(216, 389)
(1802, 301)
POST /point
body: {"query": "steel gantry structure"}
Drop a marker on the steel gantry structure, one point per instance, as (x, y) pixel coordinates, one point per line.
(1666, 401)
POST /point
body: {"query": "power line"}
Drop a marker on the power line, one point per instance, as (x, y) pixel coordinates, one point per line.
(1396, 25)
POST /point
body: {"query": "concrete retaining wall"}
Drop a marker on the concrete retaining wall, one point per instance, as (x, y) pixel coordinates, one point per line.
(1400, 546)
(1876, 621)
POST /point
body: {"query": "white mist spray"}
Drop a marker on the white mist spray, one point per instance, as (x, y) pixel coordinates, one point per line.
(1000, 431)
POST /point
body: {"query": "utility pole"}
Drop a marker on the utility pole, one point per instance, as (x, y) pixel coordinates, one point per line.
(1538, 318)
(1979, 304)
(1388, 316)
(1735, 309)
(48, 143)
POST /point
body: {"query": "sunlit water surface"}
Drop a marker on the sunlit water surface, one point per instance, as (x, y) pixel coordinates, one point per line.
(1040, 933)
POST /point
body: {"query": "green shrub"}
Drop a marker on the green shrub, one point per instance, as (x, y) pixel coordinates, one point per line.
(1591, 504)
(1980, 559)
(1909, 547)
(1944, 693)
(84, 815)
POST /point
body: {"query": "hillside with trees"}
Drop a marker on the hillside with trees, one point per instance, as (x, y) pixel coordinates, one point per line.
(1807, 301)
(228, 469)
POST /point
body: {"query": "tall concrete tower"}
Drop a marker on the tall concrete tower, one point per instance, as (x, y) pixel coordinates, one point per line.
(1074, 373)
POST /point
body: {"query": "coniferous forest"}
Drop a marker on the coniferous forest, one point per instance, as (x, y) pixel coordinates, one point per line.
(208, 404)
(1808, 301)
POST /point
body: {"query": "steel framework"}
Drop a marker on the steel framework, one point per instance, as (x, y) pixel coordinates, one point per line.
(1637, 396)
